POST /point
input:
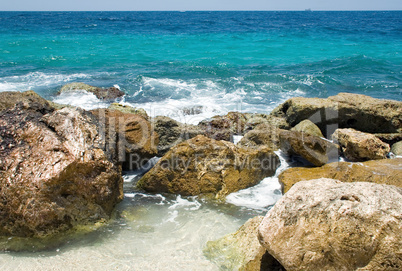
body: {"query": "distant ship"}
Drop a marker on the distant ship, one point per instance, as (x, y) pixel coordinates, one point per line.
(307, 9)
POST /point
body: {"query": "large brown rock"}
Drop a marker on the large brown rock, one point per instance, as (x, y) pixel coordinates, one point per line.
(262, 135)
(344, 110)
(314, 149)
(54, 171)
(329, 225)
(308, 127)
(128, 109)
(387, 171)
(397, 148)
(8, 99)
(129, 137)
(202, 165)
(101, 93)
(242, 250)
(358, 146)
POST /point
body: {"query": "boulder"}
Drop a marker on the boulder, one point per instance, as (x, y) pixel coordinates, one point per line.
(387, 171)
(397, 148)
(55, 171)
(129, 137)
(358, 146)
(172, 132)
(325, 224)
(8, 99)
(202, 166)
(314, 149)
(262, 135)
(128, 109)
(390, 138)
(308, 127)
(101, 93)
(241, 250)
(345, 110)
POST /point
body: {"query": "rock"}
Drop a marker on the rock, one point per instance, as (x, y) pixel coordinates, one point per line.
(344, 110)
(314, 149)
(130, 137)
(55, 174)
(262, 135)
(241, 250)
(397, 148)
(128, 109)
(9, 99)
(358, 146)
(308, 127)
(193, 110)
(387, 171)
(390, 139)
(262, 121)
(101, 93)
(325, 224)
(172, 132)
(202, 165)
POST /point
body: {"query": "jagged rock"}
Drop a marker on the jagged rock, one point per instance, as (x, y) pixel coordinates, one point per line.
(390, 138)
(241, 250)
(101, 93)
(8, 99)
(358, 146)
(397, 148)
(325, 224)
(262, 135)
(130, 137)
(344, 110)
(314, 149)
(308, 127)
(54, 171)
(172, 132)
(387, 171)
(128, 109)
(202, 165)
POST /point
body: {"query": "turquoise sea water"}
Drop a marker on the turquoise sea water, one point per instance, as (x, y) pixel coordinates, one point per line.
(249, 61)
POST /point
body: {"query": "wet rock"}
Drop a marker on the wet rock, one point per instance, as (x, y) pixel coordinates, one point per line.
(202, 165)
(325, 224)
(101, 93)
(344, 110)
(308, 127)
(385, 171)
(241, 250)
(314, 149)
(193, 110)
(172, 132)
(55, 174)
(128, 109)
(129, 137)
(358, 146)
(9, 99)
(397, 148)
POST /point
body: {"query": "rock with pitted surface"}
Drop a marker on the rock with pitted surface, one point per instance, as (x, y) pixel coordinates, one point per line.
(55, 171)
(314, 149)
(241, 250)
(358, 146)
(262, 135)
(344, 110)
(387, 171)
(8, 99)
(101, 93)
(325, 224)
(206, 166)
(308, 127)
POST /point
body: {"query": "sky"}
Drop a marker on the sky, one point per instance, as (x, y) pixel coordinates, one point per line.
(139, 5)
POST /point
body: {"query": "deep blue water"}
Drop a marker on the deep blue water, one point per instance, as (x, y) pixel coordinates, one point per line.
(222, 60)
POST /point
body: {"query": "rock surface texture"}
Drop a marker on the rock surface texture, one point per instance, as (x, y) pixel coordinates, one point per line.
(344, 110)
(387, 171)
(8, 99)
(54, 171)
(358, 146)
(101, 93)
(329, 225)
(308, 127)
(202, 165)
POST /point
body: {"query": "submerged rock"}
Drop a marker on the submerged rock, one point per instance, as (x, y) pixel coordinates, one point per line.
(55, 171)
(358, 146)
(344, 110)
(8, 99)
(101, 93)
(241, 250)
(387, 171)
(325, 224)
(314, 149)
(202, 165)
(308, 127)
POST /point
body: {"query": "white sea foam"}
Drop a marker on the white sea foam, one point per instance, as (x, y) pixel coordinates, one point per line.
(83, 99)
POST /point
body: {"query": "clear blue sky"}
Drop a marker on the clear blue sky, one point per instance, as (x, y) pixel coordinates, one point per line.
(71, 5)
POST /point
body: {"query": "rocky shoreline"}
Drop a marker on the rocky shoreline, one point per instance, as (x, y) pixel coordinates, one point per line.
(61, 169)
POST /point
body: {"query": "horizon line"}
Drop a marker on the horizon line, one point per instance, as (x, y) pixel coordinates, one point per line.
(234, 10)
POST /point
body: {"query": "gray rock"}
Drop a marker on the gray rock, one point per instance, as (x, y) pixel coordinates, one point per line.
(101, 93)
(397, 148)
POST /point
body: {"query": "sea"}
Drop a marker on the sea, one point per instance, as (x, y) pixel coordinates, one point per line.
(167, 62)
